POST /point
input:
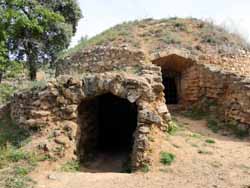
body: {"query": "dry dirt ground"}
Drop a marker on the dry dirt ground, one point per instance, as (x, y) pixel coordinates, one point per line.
(198, 164)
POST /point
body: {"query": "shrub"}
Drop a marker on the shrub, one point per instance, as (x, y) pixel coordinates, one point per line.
(174, 127)
(145, 168)
(12, 134)
(171, 38)
(167, 158)
(6, 91)
(209, 141)
(71, 166)
(213, 125)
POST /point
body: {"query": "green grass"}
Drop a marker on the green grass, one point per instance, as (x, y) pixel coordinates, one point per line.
(210, 141)
(174, 127)
(17, 181)
(233, 125)
(195, 113)
(145, 168)
(6, 91)
(196, 135)
(167, 158)
(11, 134)
(121, 30)
(171, 38)
(13, 157)
(213, 125)
(71, 166)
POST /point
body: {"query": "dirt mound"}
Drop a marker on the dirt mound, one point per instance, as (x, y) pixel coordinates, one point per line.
(193, 35)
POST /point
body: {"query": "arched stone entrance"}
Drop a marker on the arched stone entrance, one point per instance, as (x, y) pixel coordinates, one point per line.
(173, 74)
(68, 106)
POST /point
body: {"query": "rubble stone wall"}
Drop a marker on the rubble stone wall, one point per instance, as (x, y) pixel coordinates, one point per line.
(226, 94)
(55, 110)
(100, 59)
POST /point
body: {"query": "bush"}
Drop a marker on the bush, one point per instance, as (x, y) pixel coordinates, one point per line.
(6, 91)
(174, 127)
(71, 166)
(145, 168)
(10, 133)
(213, 125)
(210, 141)
(167, 158)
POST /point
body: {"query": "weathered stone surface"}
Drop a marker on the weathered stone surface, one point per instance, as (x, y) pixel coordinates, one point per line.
(147, 115)
(144, 130)
(54, 110)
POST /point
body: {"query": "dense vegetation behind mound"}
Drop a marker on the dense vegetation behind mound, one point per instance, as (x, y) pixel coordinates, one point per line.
(151, 35)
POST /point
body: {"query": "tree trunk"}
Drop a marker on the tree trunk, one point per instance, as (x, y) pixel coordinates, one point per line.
(32, 70)
(31, 58)
(1, 76)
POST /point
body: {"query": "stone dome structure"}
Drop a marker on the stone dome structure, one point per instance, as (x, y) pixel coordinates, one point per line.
(107, 97)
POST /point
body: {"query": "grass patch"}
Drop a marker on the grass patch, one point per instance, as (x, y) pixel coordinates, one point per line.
(122, 30)
(71, 166)
(195, 135)
(167, 158)
(174, 127)
(12, 157)
(195, 113)
(6, 91)
(210, 141)
(18, 181)
(171, 38)
(239, 132)
(11, 134)
(145, 168)
(213, 125)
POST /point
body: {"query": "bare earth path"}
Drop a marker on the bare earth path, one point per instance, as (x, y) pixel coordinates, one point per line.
(198, 164)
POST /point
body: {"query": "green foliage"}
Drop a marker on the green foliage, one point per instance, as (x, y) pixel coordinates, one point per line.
(195, 113)
(71, 166)
(213, 124)
(121, 30)
(6, 92)
(19, 162)
(233, 125)
(17, 181)
(41, 84)
(171, 38)
(174, 127)
(167, 158)
(195, 135)
(22, 171)
(210, 141)
(145, 168)
(36, 31)
(12, 134)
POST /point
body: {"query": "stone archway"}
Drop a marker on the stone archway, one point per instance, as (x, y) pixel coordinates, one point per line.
(173, 74)
(67, 109)
(107, 124)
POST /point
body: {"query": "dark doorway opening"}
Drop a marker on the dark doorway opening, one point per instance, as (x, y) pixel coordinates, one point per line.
(117, 123)
(109, 142)
(171, 90)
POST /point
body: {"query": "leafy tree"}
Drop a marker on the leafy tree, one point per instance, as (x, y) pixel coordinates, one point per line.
(37, 30)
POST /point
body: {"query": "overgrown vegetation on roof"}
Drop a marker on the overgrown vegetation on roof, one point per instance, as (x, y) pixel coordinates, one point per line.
(190, 33)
